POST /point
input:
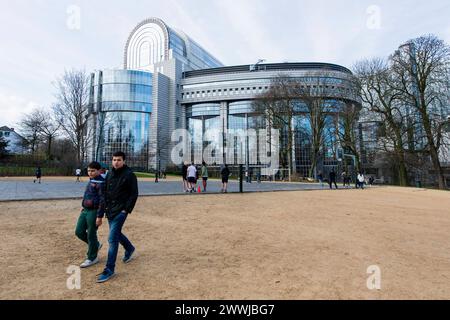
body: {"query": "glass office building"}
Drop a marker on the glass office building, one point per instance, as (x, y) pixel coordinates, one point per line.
(170, 82)
(121, 102)
(136, 109)
(223, 98)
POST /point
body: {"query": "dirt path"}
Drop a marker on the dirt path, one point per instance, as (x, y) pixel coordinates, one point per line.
(285, 245)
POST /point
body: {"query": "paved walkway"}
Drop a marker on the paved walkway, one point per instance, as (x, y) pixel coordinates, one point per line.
(27, 190)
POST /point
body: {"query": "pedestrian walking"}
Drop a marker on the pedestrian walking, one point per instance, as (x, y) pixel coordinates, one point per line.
(38, 174)
(184, 176)
(120, 199)
(204, 175)
(192, 177)
(332, 179)
(225, 173)
(78, 174)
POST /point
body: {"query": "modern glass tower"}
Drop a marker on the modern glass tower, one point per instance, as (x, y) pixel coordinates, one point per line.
(136, 109)
(121, 103)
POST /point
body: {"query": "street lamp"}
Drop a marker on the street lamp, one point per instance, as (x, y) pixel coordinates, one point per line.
(253, 66)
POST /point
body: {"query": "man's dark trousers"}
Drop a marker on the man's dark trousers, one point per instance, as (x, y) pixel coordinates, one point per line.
(115, 237)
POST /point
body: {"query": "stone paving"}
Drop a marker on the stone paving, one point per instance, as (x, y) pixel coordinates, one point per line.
(50, 189)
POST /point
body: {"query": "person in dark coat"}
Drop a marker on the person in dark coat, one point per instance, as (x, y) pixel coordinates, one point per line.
(120, 198)
(332, 179)
(225, 173)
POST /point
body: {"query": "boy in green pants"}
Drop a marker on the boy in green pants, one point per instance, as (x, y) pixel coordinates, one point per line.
(93, 207)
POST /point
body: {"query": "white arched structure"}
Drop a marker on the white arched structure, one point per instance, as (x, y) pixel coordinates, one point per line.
(152, 42)
(148, 44)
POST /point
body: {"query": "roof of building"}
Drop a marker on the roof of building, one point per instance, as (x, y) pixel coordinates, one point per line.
(7, 129)
(268, 67)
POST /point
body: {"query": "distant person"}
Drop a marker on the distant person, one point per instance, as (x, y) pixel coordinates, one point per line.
(184, 174)
(258, 177)
(332, 179)
(371, 180)
(192, 177)
(38, 174)
(197, 176)
(360, 180)
(78, 174)
(204, 175)
(93, 207)
(120, 199)
(344, 179)
(320, 178)
(225, 173)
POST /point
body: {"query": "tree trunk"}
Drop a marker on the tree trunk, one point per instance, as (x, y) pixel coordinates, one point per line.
(289, 158)
(49, 148)
(402, 172)
(400, 156)
(434, 152)
(437, 167)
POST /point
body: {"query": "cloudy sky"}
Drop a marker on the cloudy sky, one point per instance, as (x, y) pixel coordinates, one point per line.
(39, 39)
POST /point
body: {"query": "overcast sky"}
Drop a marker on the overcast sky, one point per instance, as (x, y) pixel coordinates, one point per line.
(41, 38)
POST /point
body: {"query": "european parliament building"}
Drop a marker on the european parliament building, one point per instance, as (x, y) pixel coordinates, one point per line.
(170, 82)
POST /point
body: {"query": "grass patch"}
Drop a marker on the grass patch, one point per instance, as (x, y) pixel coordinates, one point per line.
(144, 175)
(30, 171)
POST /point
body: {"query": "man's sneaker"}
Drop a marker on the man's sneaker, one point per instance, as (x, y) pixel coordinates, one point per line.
(88, 263)
(128, 257)
(105, 276)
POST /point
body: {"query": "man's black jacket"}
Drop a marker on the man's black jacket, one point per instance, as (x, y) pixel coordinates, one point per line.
(332, 176)
(121, 191)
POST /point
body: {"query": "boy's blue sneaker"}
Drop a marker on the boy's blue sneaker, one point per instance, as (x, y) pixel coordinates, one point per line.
(105, 276)
(129, 256)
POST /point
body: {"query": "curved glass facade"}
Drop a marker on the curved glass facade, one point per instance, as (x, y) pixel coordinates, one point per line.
(240, 115)
(122, 100)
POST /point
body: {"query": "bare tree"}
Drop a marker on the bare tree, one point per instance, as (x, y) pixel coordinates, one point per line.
(347, 132)
(159, 149)
(278, 106)
(421, 68)
(312, 96)
(98, 135)
(49, 130)
(72, 109)
(381, 98)
(30, 125)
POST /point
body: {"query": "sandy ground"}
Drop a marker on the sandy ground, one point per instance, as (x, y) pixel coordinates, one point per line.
(284, 245)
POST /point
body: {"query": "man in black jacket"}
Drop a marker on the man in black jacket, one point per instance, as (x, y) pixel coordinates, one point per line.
(332, 179)
(120, 198)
